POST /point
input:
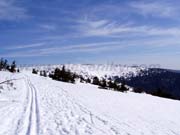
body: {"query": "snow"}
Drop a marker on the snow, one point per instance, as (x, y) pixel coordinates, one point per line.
(91, 70)
(36, 105)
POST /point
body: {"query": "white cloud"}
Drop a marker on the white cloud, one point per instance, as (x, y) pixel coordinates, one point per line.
(9, 11)
(49, 27)
(95, 24)
(25, 46)
(110, 46)
(48, 51)
(86, 47)
(113, 29)
(151, 46)
(155, 9)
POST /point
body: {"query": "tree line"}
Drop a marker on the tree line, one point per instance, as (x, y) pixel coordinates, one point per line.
(65, 75)
(110, 84)
(4, 65)
(59, 74)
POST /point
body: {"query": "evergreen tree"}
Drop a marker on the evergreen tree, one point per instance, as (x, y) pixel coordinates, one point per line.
(57, 74)
(13, 67)
(8, 68)
(44, 73)
(41, 73)
(138, 90)
(34, 71)
(5, 65)
(82, 80)
(103, 83)
(112, 85)
(73, 78)
(63, 75)
(96, 81)
(51, 75)
(122, 87)
(160, 93)
(88, 80)
(18, 70)
(1, 64)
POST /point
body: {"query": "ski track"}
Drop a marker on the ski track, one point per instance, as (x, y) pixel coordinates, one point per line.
(62, 114)
(29, 122)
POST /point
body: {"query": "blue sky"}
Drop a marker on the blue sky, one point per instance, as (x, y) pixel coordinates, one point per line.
(91, 31)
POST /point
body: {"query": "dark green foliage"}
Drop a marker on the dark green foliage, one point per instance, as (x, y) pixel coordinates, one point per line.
(1, 64)
(112, 85)
(43, 73)
(116, 86)
(88, 80)
(63, 75)
(103, 83)
(8, 68)
(5, 66)
(18, 70)
(72, 80)
(34, 71)
(51, 75)
(138, 90)
(82, 80)
(160, 93)
(96, 81)
(57, 74)
(122, 87)
(13, 67)
(168, 81)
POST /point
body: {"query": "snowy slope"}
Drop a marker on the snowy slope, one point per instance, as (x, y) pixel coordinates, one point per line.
(36, 105)
(90, 70)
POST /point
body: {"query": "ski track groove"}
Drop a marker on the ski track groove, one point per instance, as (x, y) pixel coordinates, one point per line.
(34, 111)
(30, 112)
(69, 111)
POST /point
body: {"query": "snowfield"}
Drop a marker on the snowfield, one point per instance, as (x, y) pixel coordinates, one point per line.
(34, 105)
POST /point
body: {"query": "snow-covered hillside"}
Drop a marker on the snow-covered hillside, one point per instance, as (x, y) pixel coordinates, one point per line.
(34, 105)
(100, 70)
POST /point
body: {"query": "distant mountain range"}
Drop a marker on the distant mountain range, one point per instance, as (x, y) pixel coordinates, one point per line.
(156, 80)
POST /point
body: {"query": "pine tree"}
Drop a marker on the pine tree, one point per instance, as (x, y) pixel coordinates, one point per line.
(96, 81)
(44, 73)
(13, 67)
(103, 83)
(63, 75)
(73, 78)
(57, 74)
(1, 63)
(82, 79)
(34, 71)
(88, 80)
(123, 88)
(5, 65)
(41, 73)
(112, 85)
